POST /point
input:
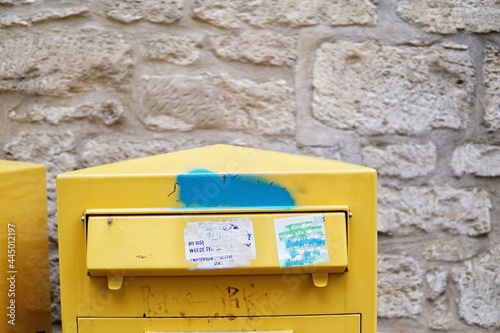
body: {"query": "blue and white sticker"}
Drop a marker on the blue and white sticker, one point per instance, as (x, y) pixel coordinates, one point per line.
(301, 240)
(220, 244)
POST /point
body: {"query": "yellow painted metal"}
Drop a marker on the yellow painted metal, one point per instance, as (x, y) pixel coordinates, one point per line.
(146, 246)
(24, 265)
(279, 324)
(156, 189)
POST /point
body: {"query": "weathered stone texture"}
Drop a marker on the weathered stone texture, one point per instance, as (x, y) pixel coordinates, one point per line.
(451, 16)
(413, 209)
(453, 250)
(59, 64)
(399, 286)
(108, 149)
(15, 2)
(437, 280)
(107, 113)
(441, 315)
(184, 102)
(295, 13)
(476, 159)
(55, 151)
(479, 290)
(27, 15)
(384, 89)
(178, 50)
(491, 79)
(264, 48)
(156, 11)
(404, 161)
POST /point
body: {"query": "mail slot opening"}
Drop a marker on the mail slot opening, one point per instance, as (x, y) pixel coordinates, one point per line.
(217, 244)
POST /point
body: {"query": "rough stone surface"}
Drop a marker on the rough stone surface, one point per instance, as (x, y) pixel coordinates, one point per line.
(399, 286)
(405, 160)
(107, 113)
(437, 280)
(178, 50)
(441, 316)
(479, 289)
(451, 16)
(62, 63)
(295, 13)
(384, 89)
(54, 288)
(414, 209)
(265, 48)
(16, 2)
(217, 101)
(453, 250)
(476, 159)
(108, 149)
(491, 79)
(20, 15)
(56, 151)
(156, 11)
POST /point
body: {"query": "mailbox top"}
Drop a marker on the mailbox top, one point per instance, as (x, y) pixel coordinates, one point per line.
(221, 159)
(9, 166)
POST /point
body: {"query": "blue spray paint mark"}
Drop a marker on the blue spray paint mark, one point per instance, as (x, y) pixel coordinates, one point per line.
(204, 188)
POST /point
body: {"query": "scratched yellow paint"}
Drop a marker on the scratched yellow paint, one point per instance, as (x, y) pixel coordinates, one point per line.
(107, 286)
(24, 246)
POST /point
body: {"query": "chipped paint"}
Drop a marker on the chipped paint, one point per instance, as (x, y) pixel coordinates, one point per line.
(204, 188)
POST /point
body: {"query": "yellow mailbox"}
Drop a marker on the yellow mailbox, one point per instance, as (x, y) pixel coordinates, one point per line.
(24, 264)
(218, 239)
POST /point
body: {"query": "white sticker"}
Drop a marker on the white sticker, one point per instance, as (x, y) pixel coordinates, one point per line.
(222, 244)
(301, 240)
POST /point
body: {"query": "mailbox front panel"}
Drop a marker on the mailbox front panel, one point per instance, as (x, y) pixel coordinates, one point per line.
(218, 238)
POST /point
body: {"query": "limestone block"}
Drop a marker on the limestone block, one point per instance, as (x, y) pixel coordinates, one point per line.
(399, 286)
(110, 148)
(441, 316)
(402, 160)
(178, 50)
(217, 101)
(437, 280)
(294, 13)
(415, 209)
(39, 12)
(479, 286)
(55, 151)
(58, 64)
(477, 159)
(156, 11)
(379, 89)
(453, 250)
(491, 80)
(107, 113)
(264, 48)
(451, 16)
(16, 2)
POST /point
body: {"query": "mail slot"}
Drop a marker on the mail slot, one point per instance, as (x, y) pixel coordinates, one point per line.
(24, 244)
(218, 239)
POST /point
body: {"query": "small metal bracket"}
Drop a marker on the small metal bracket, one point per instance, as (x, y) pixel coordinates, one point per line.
(115, 282)
(320, 279)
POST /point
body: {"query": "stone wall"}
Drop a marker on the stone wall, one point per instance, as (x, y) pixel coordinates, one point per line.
(409, 87)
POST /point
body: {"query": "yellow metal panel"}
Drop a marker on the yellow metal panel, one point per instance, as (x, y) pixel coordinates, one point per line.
(217, 180)
(220, 158)
(24, 286)
(298, 324)
(155, 246)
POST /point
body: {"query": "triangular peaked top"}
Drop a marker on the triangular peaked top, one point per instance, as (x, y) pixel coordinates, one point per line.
(221, 159)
